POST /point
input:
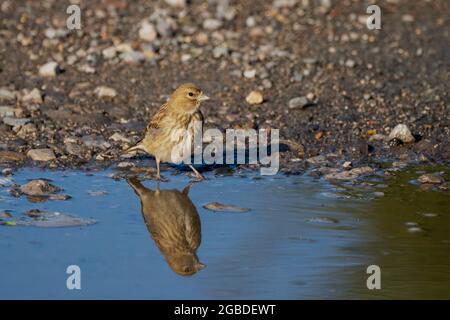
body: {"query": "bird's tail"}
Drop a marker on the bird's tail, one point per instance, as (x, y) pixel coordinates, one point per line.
(138, 147)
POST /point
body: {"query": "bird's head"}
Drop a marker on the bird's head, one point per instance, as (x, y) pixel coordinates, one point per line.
(187, 97)
(185, 264)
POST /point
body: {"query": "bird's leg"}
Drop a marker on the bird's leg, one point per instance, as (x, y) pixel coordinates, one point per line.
(197, 174)
(158, 175)
(157, 191)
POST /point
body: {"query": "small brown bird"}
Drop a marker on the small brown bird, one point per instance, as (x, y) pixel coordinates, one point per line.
(174, 224)
(179, 113)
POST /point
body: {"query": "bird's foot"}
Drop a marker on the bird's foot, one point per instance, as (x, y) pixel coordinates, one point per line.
(161, 179)
(198, 178)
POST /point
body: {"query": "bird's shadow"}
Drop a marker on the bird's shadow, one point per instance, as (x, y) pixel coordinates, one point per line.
(221, 169)
(250, 155)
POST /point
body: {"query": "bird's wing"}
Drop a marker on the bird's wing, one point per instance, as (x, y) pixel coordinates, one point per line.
(198, 116)
(151, 128)
(196, 130)
(156, 119)
(193, 227)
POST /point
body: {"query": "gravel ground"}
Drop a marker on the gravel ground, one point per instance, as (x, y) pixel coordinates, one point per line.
(334, 88)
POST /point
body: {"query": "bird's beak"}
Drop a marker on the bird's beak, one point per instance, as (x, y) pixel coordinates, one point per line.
(200, 266)
(203, 97)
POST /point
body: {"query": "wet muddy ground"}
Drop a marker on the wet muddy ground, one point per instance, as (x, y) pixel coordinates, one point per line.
(328, 83)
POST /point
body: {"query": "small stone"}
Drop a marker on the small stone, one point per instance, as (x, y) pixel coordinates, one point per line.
(255, 97)
(431, 179)
(284, 3)
(212, 24)
(298, 103)
(250, 22)
(377, 137)
(125, 164)
(109, 53)
(39, 187)
(407, 18)
(310, 96)
(219, 52)
(347, 165)
(11, 156)
(318, 135)
(33, 97)
(71, 59)
(327, 220)
(105, 92)
(430, 215)
(378, 194)
(350, 63)
(95, 141)
(50, 69)
(15, 122)
(185, 57)
(118, 137)
(201, 38)
(225, 11)
(256, 32)
(402, 133)
(97, 193)
(41, 219)
(85, 68)
(59, 197)
(362, 171)
(26, 130)
(250, 74)
(166, 26)
(123, 47)
(310, 61)
(147, 32)
(6, 112)
(73, 149)
(320, 159)
(133, 57)
(350, 175)
(5, 215)
(267, 84)
(6, 95)
(7, 172)
(52, 33)
(219, 207)
(41, 154)
(415, 230)
(176, 3)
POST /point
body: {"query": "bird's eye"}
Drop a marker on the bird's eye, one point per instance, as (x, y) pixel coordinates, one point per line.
(190, 94)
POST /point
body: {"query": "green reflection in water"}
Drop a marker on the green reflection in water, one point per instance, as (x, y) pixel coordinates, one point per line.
(408, 237)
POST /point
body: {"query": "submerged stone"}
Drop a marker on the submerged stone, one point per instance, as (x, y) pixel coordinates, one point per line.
(42, 219)
(39, 187)
(219, 207)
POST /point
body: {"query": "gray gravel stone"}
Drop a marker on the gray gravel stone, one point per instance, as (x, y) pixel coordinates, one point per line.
(402, 133)
(41, 154)
(298, 103)
(13, 122)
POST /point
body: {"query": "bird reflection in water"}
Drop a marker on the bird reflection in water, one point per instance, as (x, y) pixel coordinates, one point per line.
(174, 224)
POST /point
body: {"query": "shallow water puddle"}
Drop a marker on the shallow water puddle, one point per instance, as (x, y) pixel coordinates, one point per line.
(302, 238)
